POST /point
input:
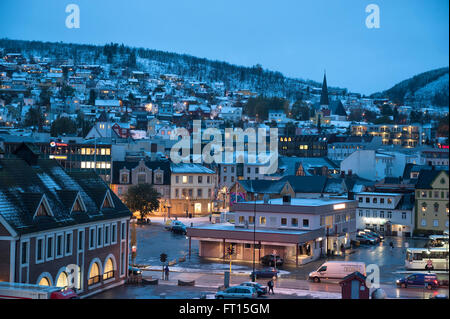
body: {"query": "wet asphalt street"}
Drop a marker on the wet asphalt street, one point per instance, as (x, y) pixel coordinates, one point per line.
(154, 240)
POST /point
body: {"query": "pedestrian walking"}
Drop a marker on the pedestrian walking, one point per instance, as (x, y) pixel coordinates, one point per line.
(166, 272)
(392, 245)
(270, 285)
(343, 249)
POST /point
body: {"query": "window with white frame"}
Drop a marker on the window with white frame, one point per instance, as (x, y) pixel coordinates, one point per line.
(114, 233)
(69, 243)
(99, 236)
(50, 248)
(92, 238)
(107, 235)
(81, 240)
(24, 252)
(40, 250)
(59, 245)
(435, 223)
(122, 231)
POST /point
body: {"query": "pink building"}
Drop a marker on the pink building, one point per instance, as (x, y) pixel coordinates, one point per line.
(299, 230)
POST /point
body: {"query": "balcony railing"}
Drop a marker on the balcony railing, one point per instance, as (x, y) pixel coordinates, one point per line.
(94, 280)
(108, 275)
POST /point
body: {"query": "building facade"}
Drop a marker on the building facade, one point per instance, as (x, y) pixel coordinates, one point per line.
(60, 228)
(192, 189)
(432, 197)
(299, 230)
(391, 214)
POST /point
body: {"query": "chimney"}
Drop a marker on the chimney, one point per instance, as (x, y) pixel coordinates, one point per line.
(350, 172)
(351, 196)
(286, 199)
(342, 174)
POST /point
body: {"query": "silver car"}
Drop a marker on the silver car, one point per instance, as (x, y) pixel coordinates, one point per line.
(237, 292)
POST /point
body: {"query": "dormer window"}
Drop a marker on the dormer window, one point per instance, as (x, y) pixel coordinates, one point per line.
(42, 211)
(78, 205)
(107, 202)
(43, 208)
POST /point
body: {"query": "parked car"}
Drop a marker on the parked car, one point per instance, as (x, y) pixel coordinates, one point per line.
(271, 260)
(363, 233)
(428, 281)
(237, 292)
(365, 240)
(260, 289)
(337, 270)
(374, 233)
(134, 271)
(179, 229)
(265, 273)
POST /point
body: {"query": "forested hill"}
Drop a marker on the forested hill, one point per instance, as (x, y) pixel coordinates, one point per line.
(264, 82)
(425, 89)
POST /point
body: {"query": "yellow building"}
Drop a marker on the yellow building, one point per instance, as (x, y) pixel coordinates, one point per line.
(432, 197)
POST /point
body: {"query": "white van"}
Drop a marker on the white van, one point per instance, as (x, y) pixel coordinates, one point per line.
(337, 270)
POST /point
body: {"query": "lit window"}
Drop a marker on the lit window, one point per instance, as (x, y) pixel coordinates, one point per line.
(262, 220)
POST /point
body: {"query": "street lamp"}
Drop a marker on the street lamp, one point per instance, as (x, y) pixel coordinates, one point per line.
(168, 210)
(254, 239)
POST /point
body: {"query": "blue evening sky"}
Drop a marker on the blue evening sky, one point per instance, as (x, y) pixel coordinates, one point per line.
(299, 38)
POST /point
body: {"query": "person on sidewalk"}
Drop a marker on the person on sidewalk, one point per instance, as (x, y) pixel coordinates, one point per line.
(270, 285)
(166, 272)
(343, 249)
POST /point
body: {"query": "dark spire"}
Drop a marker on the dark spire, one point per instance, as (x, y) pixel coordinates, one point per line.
(324, 95)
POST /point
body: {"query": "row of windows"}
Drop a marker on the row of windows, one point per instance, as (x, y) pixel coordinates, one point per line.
(424, 207)
(142, 178)
(60, 244)
(293, 222)
(190, 179)
(328, 220)
(95, 151)
(104, 235)
(429, 194)
(189, 193)
(104, 165)
(374, 200)
(435, 222)
(381, 214)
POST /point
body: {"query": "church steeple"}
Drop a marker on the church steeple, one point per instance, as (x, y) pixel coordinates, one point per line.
(324, 96)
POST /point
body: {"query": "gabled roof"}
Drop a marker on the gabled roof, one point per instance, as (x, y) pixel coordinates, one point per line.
(262, 186)
(306, 184)
(22, 187)
(337, 108)
(427, 177)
